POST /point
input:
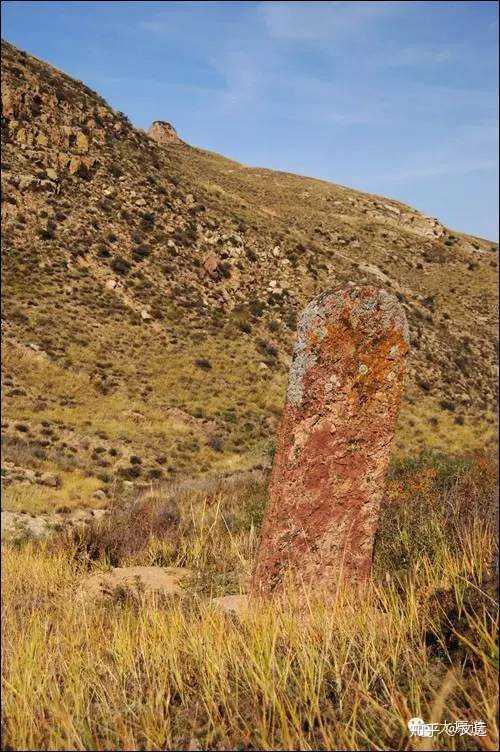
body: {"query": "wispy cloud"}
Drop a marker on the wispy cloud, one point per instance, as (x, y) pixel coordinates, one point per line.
(431, 170)
(417, 55)
(177, 16)
(246, 79)
(157, 24)
(324, 20)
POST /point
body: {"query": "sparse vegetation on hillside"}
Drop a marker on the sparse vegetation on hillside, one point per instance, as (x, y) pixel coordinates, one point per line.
(150, 296)
(138, 672)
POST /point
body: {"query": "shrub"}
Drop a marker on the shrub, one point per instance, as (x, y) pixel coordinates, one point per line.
(124, 118)
(49, 232)
(273, 326)
(267, 348)
(120, 265)
(431, 500)
(140, 253)
(447, 405)
(215, 443)
(224, 269)
(204, 364)
(257, 308)
(129, 473)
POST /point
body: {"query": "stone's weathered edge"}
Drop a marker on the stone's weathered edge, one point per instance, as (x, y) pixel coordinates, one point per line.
(302, 360)
(315, 311)
(392, 308)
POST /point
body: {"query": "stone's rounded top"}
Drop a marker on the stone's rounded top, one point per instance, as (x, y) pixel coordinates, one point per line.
(356, 302)
(163, 132)
(364, 312)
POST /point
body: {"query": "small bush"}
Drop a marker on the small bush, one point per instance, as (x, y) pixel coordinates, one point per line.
(224, 269)
(204, 364)
(129, 473)
(215, 443)
(120, 265)
(140, 253)
(257, 308)
(273, 326)
(447, 405)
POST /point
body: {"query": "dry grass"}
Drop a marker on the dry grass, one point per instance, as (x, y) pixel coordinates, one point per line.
(76, 493)
(420, 641)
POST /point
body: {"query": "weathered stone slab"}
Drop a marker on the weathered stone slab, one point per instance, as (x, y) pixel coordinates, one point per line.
(342, 402)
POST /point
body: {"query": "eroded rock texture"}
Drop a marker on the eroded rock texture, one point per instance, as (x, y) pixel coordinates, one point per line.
(343, 398)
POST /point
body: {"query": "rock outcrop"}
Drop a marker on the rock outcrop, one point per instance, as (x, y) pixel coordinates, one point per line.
(163, 132)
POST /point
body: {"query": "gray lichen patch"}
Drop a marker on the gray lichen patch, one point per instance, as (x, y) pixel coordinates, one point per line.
(394, 313)
(302, 362)
(303, 357)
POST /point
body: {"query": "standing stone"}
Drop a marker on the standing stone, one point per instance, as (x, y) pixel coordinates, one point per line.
(342, 402)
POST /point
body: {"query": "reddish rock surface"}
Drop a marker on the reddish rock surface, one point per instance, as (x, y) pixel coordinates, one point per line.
(343, 398)
(163, 132)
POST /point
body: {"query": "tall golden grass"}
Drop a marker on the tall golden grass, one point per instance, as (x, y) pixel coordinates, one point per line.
(305, 674)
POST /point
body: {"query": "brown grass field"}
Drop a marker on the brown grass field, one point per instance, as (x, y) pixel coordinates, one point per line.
(142, 673)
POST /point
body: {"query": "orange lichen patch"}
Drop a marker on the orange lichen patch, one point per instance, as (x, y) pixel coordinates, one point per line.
(345, 388)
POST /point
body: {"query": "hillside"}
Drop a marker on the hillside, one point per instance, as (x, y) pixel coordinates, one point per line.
(150, 295)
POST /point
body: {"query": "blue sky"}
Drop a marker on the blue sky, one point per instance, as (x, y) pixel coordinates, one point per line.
(395, 98)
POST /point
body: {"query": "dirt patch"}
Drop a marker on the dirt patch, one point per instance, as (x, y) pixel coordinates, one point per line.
(132, 582)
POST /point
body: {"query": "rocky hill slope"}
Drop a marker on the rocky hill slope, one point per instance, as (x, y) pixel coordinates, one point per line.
(150, 295)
